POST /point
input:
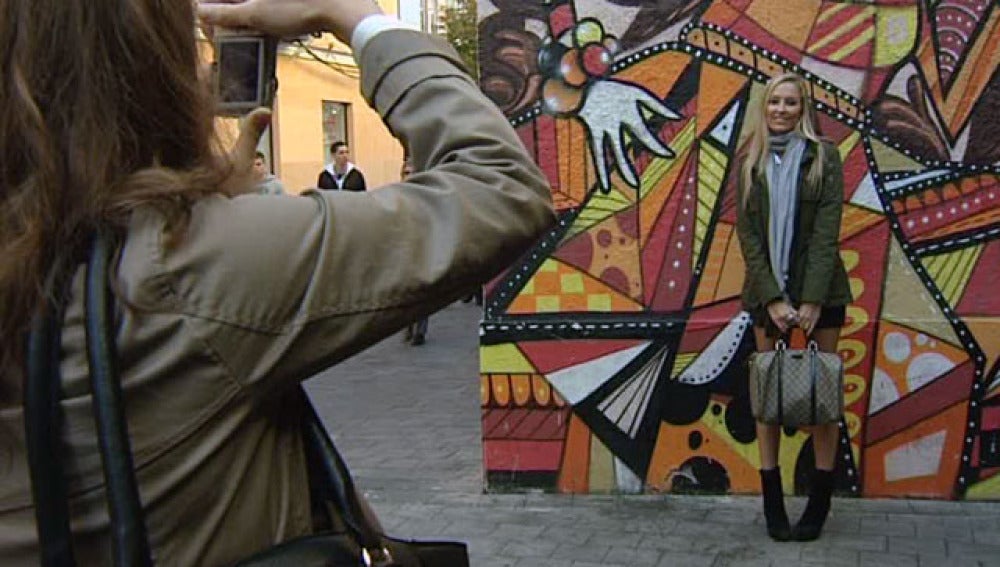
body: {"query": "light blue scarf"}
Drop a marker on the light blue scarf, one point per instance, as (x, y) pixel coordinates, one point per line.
(783, 164)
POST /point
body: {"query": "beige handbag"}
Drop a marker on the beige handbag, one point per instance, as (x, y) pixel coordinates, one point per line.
(796, 387)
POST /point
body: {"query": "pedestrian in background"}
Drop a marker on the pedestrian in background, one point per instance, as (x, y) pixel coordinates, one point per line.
(267, 183)
(340, 174)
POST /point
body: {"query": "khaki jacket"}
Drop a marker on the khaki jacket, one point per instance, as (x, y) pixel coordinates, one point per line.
(264, 291)
(816, 271)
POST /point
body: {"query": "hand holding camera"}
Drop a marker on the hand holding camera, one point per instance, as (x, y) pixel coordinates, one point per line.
(288, 18)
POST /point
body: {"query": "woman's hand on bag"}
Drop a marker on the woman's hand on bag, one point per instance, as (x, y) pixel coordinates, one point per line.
(288, 18)
(782, 314)
(809, 316)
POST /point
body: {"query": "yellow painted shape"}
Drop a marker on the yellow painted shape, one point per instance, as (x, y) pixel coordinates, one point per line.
(571, 283)
(546, 303)
(988, 489)
(602, 467)
(504, 357)
(889, 159)
(896, 33)
(907, 301)
(951, 271)
(859, 41)
(847, 27)
(682, 361)
(599, 207)
(599, 302)
(711, 175)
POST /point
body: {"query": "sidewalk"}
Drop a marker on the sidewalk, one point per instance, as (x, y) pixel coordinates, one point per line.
(407, 420)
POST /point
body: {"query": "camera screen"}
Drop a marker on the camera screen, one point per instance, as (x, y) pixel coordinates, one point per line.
(239, 71)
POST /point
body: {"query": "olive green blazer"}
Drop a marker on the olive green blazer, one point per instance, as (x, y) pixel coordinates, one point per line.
(816, 272)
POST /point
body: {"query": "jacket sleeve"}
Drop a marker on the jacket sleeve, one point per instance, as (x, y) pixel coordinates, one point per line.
(821, 246)
(284, 288)
(322, 181)
(753, 245)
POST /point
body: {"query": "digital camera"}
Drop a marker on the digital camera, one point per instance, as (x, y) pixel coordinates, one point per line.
(245, 76)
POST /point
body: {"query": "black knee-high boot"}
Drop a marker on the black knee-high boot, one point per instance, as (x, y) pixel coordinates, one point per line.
(811, 523)
(774, 505)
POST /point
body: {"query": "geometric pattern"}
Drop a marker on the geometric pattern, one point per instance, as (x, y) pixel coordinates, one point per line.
(613, 353)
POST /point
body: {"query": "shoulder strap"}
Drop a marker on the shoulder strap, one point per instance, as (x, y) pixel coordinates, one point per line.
(128, 528)
(130, 544)
(42, 425)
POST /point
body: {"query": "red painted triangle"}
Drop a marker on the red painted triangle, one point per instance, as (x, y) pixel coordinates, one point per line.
(549, 356)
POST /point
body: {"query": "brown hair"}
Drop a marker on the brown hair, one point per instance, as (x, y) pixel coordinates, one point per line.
(101, 111)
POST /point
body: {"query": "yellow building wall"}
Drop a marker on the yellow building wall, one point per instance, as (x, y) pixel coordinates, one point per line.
(297, 136)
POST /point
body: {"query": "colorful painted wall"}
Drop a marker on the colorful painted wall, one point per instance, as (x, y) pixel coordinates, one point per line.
(613, 354)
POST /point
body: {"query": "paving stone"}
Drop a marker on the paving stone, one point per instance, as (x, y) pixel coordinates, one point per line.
(883, 559)
(920, 545)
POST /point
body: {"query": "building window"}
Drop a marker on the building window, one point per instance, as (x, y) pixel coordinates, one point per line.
(335, 116)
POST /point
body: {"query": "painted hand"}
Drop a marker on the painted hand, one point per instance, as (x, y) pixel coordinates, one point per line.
(611, 110)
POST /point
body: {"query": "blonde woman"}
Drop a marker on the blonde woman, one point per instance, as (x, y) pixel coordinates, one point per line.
(791, 194)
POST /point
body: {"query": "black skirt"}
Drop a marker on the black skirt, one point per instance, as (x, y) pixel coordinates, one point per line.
(830, 317)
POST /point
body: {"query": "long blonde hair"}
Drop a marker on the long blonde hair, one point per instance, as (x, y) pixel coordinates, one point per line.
(758, 143)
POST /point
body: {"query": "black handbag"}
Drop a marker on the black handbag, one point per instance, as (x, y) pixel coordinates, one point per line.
(362, 543)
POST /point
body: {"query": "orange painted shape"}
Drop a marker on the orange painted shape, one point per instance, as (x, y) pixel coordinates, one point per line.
(520, 385)
(721, 13)
(986, 330)
(652, 204)
(915, 344)
(938, 484)
(717, 88)
(574, 471)
(967, 224)
(541, 389)
(658, 73)
(789, 21)
(857, 219)
(484, 390)
(717, 264)
(571, 141)
(672, 450)
(501, 389)
(549, 284)
(731, 280)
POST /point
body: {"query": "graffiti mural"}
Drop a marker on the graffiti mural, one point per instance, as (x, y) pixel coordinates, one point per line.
(613, 354)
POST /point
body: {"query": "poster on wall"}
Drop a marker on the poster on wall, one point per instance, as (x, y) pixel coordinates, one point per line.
(613, 354)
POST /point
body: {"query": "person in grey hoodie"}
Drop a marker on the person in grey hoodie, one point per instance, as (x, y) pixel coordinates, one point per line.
(267, 183)
(341, 174)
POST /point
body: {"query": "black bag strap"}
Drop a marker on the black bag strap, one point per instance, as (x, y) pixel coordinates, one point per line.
(128, 529)
(130, 544)
(42, 424)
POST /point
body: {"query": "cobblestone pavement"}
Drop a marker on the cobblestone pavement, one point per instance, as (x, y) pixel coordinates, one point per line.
(407, 420)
